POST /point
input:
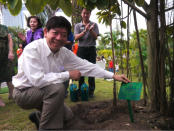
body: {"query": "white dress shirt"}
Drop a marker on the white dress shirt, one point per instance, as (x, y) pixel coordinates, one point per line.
(39, 67)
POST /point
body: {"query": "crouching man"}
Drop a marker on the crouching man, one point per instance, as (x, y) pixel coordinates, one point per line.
(41, 73)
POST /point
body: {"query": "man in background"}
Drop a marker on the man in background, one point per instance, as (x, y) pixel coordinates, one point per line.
(86, 33)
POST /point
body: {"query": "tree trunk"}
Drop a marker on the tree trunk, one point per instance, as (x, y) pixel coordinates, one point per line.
(156, 60)
(121, 54)
(163, 102)
(113, 59)
(171, 107)
(153, 53)
(128, 44)
(141, 59)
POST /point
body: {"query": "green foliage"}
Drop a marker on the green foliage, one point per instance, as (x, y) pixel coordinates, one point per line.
(12, 3)
(120, 48)
(106, 14)
(103, 17)
(89, 4)
(66, 6)
(106, 53)
(139, 2)
(93, 1)
(102, 4)
(14, 32)
(3, 2)
(104, 41)
(170, 30)
(14, 6)
(53, 4)
(135, 62)
(123, 24)
(35, 6)
(116, 9)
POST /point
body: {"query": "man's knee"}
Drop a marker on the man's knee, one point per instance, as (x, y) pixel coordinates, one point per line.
(55, 89)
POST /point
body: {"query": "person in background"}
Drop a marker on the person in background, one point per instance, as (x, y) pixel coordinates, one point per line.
(104, 62)
(35, 32)
(117, 67)
(6, 58)
(111, 67)
(19, 50)
(39, 81)
(75, 48)
(68, 45)
(86, 32)
(70, 41)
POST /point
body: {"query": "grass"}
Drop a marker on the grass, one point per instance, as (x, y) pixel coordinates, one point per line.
(3, 90)
(13, 117)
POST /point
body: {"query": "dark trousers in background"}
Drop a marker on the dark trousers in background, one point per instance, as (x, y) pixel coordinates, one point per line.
(88, 53)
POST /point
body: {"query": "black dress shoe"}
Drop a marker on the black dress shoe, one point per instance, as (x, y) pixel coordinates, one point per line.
(34, 118)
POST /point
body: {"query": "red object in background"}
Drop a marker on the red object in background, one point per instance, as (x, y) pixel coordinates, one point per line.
(19, 52)
(75, 48)
(110, 64)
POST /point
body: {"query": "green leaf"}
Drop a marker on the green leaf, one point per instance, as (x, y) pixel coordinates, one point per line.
(139, 2)
(35, 6)
(93, 1)
(170, 30)
(66, 6)
(80, 3)
(116, 9)
(53, 4)
(3, 1)
(102, 4)
(16, 10)
(123, 24)
(12, 3)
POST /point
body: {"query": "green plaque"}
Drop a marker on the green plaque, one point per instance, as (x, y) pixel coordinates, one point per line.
(130, 91)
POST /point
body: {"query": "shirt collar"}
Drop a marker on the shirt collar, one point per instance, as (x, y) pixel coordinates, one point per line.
(48, 50)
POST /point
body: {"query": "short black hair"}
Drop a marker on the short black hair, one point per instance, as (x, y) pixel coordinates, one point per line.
(38, 20)
(58, 22)
(88, 9)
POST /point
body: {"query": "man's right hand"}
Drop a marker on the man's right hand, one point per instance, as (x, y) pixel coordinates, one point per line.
(75, 74)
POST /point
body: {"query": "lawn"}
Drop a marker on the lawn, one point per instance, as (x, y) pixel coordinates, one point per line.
(14, 118)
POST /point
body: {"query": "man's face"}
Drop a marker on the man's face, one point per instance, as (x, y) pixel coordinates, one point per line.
(56, 38)
(85, 15)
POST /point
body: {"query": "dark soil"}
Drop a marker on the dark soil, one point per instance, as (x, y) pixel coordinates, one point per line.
(102, 116)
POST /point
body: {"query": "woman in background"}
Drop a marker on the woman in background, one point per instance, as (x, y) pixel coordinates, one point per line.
(35, 32)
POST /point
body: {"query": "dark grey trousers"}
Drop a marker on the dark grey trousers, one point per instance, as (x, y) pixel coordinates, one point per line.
(49, 101)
